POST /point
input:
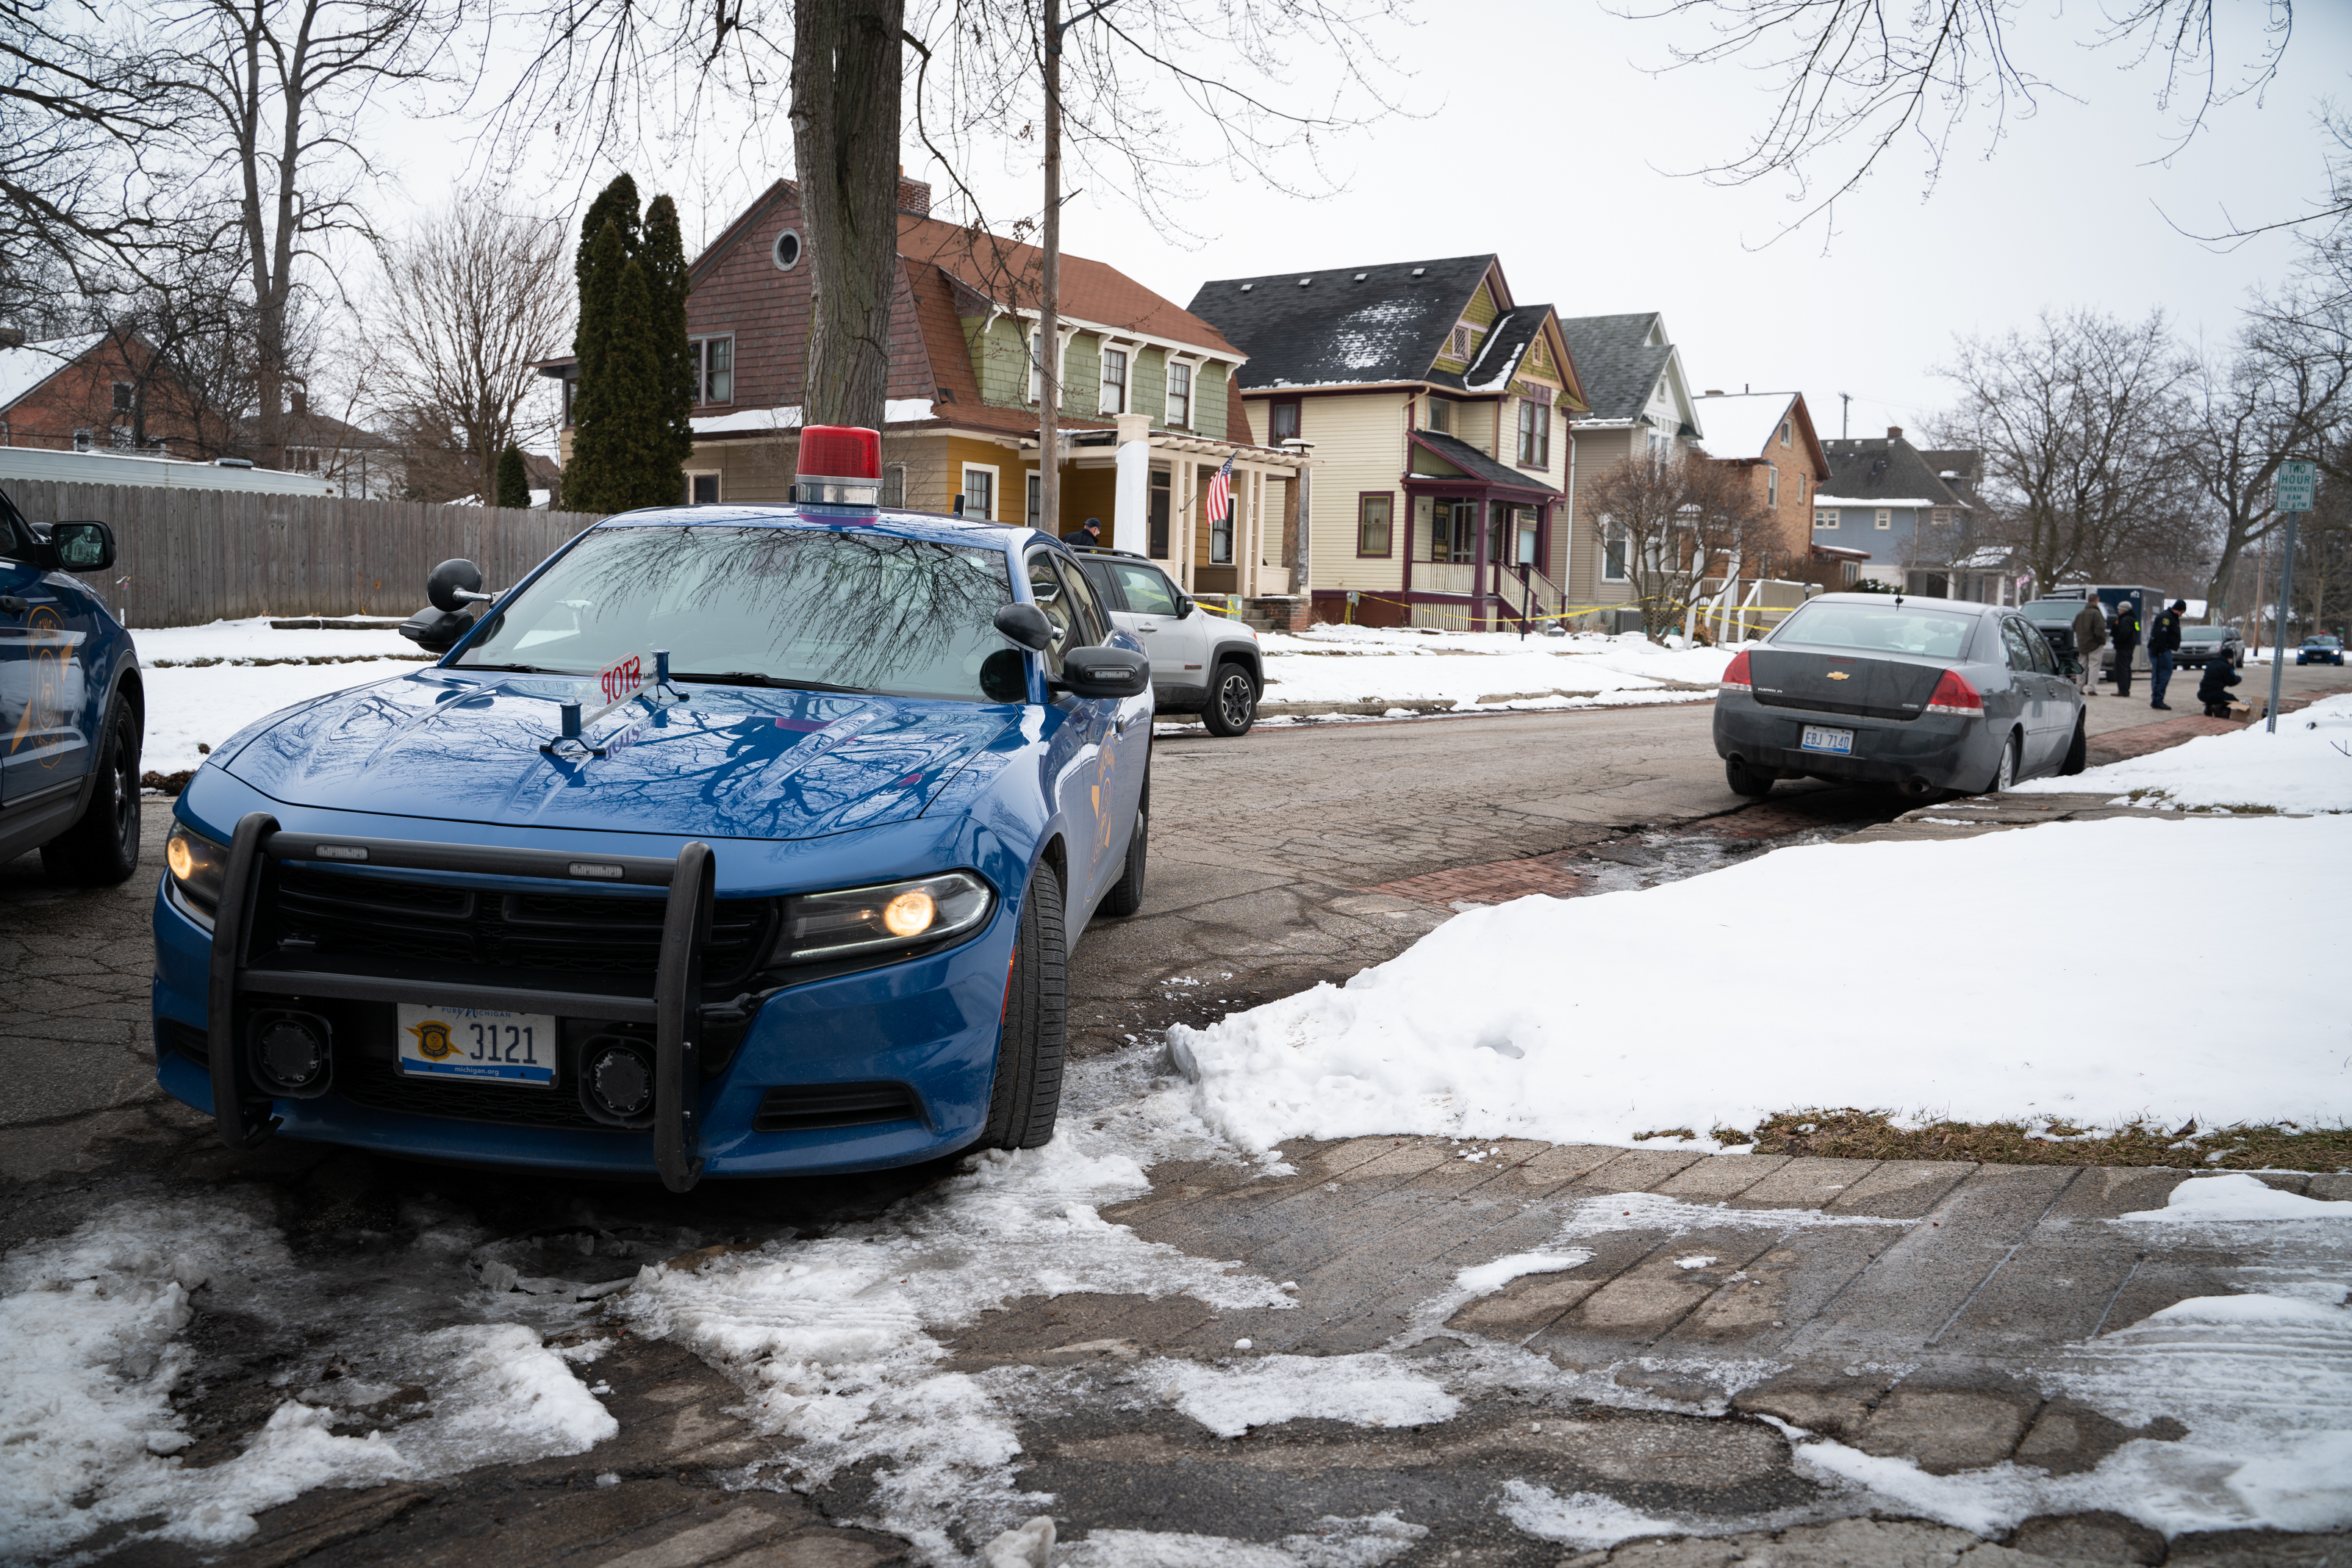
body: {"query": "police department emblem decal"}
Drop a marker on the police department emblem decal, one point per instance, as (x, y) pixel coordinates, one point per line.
(431, 1040)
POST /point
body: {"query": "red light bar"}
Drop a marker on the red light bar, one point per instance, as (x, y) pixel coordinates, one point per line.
(841, 452)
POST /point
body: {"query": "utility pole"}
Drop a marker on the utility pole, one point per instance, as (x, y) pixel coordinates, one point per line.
(1845, 409)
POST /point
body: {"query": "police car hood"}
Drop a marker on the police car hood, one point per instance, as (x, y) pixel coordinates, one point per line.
(729, 762)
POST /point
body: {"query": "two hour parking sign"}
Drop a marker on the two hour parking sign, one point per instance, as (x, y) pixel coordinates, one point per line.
(2293, 489)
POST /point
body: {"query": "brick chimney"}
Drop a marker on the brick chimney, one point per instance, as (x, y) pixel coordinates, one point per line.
(914, 195)
(1894, 433)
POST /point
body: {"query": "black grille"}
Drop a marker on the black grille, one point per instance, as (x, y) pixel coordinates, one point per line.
(187, 1040)
(1824, 704)
(801, 1108)
(381, 1086)
(378, 918)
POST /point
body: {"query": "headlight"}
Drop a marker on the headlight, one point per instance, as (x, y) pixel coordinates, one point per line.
(819, 926)
(197, 865)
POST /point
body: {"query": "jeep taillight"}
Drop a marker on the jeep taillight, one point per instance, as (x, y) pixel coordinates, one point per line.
(1735, 674)
(1955, 695)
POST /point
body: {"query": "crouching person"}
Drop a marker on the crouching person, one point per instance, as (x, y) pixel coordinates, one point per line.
(2213, 691)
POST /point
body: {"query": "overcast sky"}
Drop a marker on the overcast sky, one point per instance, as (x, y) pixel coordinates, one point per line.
(1543, 138)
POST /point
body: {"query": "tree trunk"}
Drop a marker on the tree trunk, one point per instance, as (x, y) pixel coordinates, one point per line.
(846, 72)
(1049, 296)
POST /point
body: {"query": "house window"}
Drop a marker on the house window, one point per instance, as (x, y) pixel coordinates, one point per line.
(1771, 485)
(1180, 395)
(702, 489)
(714, 369)
(1535, 435)
(1461, 342)
(1159, 511)
(122, 397)
(1036, 366)
(1826, 520)
(1441, 416)
(1454, 532)
(1114, 382)
(1784, 433)
(1281, 422)
(1942, 517)
(1523, 519)
(1372, 516)
(979, 494)
(1036, 498)
(1612, 556)
(1800, 487)
(894, 484)
(1885, 519)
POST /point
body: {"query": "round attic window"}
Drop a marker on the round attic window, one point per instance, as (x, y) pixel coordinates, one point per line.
(787, 254)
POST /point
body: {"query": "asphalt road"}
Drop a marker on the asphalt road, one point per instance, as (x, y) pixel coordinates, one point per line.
(1297, 855)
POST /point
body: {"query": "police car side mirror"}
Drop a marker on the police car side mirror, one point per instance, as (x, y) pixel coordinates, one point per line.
(454, 585)
(82, 546)
(1105, 672)
(1026, 625)
(436, 631)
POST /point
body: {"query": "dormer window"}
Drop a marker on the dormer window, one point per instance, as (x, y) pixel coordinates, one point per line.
(1461, 342)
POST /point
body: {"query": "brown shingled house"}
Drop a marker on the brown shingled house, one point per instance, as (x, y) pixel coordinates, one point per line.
(961, 431)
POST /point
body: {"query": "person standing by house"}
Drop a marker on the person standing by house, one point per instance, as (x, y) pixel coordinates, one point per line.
(2163, 642)
(2123, 632)
(2090, 636)
(1088, 534)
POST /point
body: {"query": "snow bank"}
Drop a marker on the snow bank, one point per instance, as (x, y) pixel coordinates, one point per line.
(1361, 664)
(2236, 1197)
(90, 1352)
(254, 638)
(2305, 765)
(1593, 1020)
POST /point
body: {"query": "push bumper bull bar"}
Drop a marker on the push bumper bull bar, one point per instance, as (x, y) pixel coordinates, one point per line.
(243, 1112)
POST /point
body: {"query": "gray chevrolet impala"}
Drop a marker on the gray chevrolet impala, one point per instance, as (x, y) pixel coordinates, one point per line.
(1926, 694)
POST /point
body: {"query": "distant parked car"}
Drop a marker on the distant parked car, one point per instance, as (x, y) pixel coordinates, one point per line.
(71, 708)
(2320, 650)
(1201, 663)
(2200, 646)
(1926, 694)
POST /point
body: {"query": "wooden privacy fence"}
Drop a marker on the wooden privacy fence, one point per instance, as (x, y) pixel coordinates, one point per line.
(192, 556)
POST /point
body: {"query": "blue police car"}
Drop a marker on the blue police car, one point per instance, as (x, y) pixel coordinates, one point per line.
(733, 841)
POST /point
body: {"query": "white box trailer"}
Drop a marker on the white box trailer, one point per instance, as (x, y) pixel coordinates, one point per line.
(142, 469)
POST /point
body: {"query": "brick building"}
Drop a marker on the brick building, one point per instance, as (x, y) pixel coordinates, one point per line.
(96, 391)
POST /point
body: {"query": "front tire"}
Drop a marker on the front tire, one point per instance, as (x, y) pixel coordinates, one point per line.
(1233, 701)
(1743, 779)
(101, 848)
(1027, 1093)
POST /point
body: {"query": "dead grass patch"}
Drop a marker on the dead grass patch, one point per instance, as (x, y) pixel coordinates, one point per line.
(1850, 1133)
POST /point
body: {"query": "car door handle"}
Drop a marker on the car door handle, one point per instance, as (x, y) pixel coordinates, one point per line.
(12, 605)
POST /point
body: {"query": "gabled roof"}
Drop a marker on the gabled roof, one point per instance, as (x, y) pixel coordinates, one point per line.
(1742, 426)
(1618, 359)
(1347, 325)
(1461, 454)
(1009, 274)
(24, 368)
(1885, 471)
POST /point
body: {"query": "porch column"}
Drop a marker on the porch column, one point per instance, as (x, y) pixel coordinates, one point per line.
(1185, 483)
(1131, 515)
(1478, 564)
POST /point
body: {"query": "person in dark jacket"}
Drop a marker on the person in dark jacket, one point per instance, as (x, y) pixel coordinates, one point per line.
(1088, 533)
(2123, 632)
(2163, 642)
(2213, 691)
(2090, 636)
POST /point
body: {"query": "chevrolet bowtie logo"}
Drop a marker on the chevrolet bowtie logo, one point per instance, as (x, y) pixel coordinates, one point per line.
(1838, 675)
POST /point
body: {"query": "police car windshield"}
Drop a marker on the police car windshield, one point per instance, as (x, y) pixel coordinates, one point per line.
(825, 608)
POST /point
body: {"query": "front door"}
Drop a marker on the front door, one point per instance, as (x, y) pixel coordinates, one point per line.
(45, 621)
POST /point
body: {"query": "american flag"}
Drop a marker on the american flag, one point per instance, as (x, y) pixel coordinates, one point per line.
(1220, 502)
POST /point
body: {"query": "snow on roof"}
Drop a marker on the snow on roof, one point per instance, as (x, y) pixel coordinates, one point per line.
(1819, 500)
(27, 365)
(1743, 424)
(897, 410)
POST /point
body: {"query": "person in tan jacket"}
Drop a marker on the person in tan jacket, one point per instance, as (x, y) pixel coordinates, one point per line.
(2090, 636)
